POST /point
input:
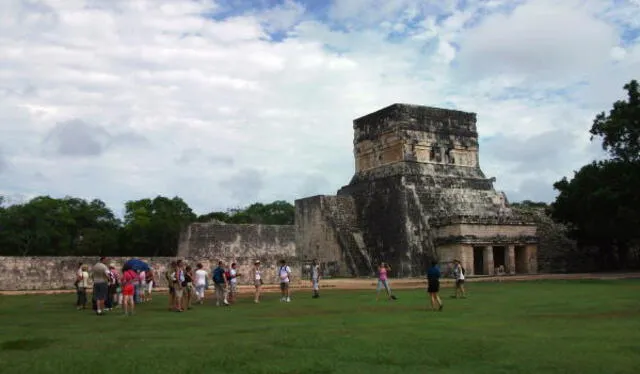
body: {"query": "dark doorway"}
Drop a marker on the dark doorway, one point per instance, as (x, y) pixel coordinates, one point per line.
(521, 259)
(478, 260)
(499, 253)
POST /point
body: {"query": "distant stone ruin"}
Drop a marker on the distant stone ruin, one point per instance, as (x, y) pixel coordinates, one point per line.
(418, 194)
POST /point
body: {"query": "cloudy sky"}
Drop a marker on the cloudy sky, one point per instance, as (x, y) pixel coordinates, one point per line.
(229, 102)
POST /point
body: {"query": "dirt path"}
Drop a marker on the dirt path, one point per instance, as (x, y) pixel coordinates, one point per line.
(370, 283)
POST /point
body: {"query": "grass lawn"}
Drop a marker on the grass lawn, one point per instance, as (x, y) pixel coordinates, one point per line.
(525, 327)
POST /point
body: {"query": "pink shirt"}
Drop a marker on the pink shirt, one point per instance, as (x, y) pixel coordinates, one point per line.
(129, 276)
(383, 274)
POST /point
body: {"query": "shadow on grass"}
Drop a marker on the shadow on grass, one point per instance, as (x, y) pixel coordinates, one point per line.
(26, 344)
(607, 315)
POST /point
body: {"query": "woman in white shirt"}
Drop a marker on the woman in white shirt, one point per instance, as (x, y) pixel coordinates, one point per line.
(82, 283)
(200, 282)
(257, 281)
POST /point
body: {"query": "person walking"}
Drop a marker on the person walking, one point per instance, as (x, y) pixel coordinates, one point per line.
(383, 281)
(315, 279)
(458, 273)
(284, 273)
(200, 282)
(150, 281)
(179, 285)
(82, 283)
(100, 276)
(129, 280)
(220, 282)
(257, 281)
(433, 286)
(233, 282)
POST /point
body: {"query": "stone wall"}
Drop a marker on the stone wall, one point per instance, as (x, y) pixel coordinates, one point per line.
(216, 240)
(327, 229)
(56, 273)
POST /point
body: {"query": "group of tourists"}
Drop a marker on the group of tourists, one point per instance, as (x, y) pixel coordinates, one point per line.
(433, 283)
(187, 285)
(111, 288)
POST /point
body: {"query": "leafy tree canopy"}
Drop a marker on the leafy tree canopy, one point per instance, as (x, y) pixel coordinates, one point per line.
(620, 129)
(601, 204)
(151, 227)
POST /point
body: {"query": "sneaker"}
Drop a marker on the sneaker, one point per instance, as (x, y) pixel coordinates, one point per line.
(288, 299)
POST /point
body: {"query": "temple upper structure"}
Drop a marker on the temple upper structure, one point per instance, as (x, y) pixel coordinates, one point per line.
(418, 194)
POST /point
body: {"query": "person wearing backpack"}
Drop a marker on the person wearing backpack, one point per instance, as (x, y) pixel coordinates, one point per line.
(284, 273)
(220, 281)
(458, 272)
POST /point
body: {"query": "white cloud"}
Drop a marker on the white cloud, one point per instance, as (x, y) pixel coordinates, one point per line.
(540, 40)
(178, 99)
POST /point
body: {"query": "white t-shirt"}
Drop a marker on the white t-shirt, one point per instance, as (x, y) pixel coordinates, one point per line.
(201, 277)
(142, 277)
(284, 272)
(458, 273)
(233, 273)
(256, 273)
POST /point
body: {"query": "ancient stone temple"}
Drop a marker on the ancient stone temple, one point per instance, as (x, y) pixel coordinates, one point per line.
(417, 194)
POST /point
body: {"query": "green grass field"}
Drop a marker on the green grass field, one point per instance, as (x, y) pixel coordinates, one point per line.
(527, 327)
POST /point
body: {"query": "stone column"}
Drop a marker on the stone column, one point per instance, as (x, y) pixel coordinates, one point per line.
(511, 259)
(532, 259)
(466, 258)
(489, 267)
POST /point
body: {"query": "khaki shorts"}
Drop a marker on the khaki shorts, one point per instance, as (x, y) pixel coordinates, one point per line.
(178, 292)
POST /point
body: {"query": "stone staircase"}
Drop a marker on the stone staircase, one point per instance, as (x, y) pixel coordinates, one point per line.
(342, 219)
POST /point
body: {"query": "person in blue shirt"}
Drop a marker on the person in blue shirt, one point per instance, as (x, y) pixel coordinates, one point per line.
(433, 285)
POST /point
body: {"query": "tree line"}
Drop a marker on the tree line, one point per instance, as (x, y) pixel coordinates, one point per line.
(592, 224)
(47, 226)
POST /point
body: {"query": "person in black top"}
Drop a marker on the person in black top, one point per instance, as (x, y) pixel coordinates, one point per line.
(188, 285)
(433, 285)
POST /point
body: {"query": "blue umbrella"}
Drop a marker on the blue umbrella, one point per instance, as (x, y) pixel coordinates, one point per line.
(137, 264)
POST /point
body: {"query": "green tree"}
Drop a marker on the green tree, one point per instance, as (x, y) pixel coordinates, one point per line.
(600, 204)
(620, 129)
(58, 227)
(278, 212)
(602, 208)
(152, 227)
